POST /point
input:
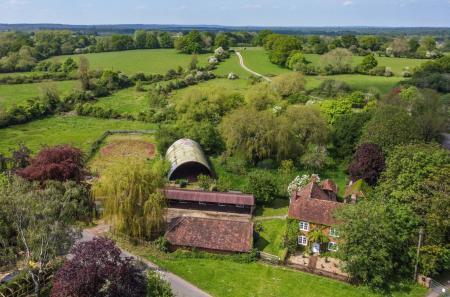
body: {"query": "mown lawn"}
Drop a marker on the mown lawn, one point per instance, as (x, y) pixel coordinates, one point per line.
(155, 61)
(77, 131)
(271, 237)
(225, 278)
(278, 207)
(20, 93)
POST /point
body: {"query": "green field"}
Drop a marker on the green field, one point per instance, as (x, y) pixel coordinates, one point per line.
(238, 85)
(20, 93)
(154, 61)
(125, 101)
(396, 64)
(231, 65)
(358, 81)
(257, 59)
(77, 131)
(271, 237)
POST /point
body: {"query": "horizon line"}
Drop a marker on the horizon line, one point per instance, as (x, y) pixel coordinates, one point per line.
(228, 26)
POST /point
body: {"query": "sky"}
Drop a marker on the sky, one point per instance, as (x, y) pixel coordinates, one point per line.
(392, 13)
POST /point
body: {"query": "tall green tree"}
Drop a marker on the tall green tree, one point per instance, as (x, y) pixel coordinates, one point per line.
(377, 242)
(39, 219)
(390, 126)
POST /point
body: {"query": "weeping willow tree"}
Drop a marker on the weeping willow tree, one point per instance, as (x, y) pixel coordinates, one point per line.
(133, 202)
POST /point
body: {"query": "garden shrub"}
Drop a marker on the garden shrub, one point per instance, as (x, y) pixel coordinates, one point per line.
(291, 236)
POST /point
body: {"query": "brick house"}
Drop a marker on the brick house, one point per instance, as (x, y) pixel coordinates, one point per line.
(312, 207)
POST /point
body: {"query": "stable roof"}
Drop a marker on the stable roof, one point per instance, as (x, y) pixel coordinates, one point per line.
(209, 197)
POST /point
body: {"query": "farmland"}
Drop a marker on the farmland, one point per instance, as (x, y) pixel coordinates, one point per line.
(152, 61)
(78, 131)
(257, 59)
(20, 93)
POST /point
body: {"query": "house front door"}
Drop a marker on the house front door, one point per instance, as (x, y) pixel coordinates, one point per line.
(316, 247)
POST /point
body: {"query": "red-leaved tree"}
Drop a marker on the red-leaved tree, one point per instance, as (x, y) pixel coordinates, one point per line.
(368, 163)
(60, 163)
(98, 269)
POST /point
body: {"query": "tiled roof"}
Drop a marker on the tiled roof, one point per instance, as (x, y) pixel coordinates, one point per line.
(313, 205)
(314, 210)
(213, 234)
(329, 185)
(312, 190)
(211, 197)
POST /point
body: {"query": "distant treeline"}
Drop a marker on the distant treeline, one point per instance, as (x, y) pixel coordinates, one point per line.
(332, 31)
(22, 51)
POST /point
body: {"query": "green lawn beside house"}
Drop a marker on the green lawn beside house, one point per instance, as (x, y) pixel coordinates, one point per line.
(226, 278)
(270, 238)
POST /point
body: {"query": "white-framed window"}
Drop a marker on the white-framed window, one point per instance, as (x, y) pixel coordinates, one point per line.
(334, 232)
(332, 246)
(240, 205)
(302, 240)
(304, 226)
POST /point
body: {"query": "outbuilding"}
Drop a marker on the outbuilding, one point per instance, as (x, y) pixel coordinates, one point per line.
(187, 160)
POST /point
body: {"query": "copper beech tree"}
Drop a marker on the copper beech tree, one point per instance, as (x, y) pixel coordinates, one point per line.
(60, 163)
(97, 268)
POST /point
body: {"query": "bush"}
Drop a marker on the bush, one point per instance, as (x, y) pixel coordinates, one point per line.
(196, 254)
(378, 71)
(157, 286)
(262, 185)
(291, 236)
(204, 182)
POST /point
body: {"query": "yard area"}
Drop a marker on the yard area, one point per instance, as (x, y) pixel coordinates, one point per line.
(78, 131)
(271, 237)
(226, 278)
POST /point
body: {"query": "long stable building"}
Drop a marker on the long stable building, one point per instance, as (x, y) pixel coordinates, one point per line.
(213, 201)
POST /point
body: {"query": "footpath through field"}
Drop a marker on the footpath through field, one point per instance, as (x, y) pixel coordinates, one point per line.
(180, 287)
(241, 62)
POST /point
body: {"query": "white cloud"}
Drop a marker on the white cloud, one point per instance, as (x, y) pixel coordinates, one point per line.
(347, 3)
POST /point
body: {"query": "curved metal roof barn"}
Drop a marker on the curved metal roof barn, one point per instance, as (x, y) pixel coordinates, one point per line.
(187, 160)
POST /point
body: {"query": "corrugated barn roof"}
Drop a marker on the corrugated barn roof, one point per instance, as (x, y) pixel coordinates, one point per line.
(186, 151)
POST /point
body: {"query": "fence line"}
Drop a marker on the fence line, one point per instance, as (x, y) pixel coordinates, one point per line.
(439, 288)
